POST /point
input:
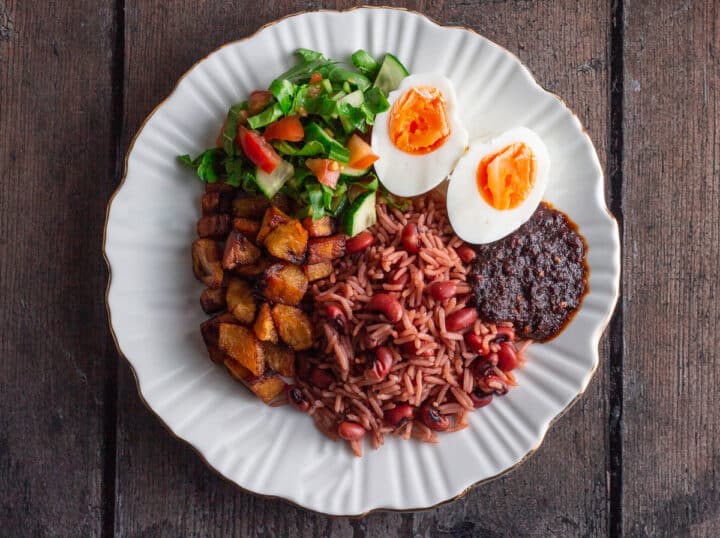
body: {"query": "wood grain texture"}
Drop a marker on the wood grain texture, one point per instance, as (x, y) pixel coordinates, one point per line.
(671, 433)
(57, 163)
(164, 489)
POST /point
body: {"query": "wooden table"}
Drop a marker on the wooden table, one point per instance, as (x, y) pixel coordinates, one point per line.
(80, 455)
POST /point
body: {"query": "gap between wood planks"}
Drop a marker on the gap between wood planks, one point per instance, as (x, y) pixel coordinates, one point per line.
(111, 390)
(615, 175)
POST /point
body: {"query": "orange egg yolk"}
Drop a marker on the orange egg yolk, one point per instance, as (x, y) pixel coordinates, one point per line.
(506, 178)
(418, 121)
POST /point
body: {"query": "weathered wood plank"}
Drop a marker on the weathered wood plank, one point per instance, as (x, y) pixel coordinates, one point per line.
(165, 489)
(57, 164)
(671, 435)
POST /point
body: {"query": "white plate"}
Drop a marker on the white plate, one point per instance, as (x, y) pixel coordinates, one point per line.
(153, 297)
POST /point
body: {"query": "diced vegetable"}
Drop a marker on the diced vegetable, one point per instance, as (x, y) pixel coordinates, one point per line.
(293, 325)
(316, 271)
(212, 300)
(288, 128)
(376, 101)
(206, 262)
(215, 226)
(271, 183)
(266, 117)
(239, 250)
(250, 206)
(272, 218)
(320, 227)
(248, 227)
(361, 154)
(307, 150)
(210, 330)
(288, 242)
(361, 214)
(353, 173)
(324, 249)
(240, 300)
(283, 283)
(355, 99)
(365, 63)
(259, 99)
(392, 71)
(258, 150)
(284, 92)
(327, 171)
(280, 358)
(264, 326)
(241, 345)
(335, 150)
(237, 115)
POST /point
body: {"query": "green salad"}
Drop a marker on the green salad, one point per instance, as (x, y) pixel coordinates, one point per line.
(306, 137)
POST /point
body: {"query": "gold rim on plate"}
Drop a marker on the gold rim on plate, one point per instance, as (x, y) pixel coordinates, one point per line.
(505, 472)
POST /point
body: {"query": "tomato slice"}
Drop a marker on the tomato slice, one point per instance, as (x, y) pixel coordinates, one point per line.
(288, 128)
(327, 171)
(316, 77)
(361, 154)
(258, 150)
(259, 99)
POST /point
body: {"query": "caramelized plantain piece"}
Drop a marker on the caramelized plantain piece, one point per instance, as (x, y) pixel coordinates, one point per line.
(220, 187)
(210, 330)
(237, 370)
(215, 226)
(324, 249)
(272, 218)
(248, 227)
(288, 242)
(264, 326)
(319, 228)
(216, 202)
(252, 270)
(316, 271)
(239, 250)
(280, 358)
(240, 300)
(282, 202)
(250, 206)
(266, 387)
(212, 300)
(241, 345)
(283, 283)
(293, 325)
(206, 262)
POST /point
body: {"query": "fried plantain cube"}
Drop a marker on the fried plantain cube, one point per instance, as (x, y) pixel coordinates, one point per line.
(214, 226)
(267, 387)
(206, 262)
(264, 326)
(324, 249)
(248, 227)
(283, 283)
(212, 300)
(216, 202)
(322, 227)
(241, 345)
(239, 250)
(240, 300)
(250, 206)
(210, 330)
(288, 242)
(280, 358)
(252, 270)
(272, 218)
(293, 326)
(316, 271)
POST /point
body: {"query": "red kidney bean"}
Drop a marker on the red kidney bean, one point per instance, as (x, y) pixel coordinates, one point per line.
(351, 431)
(399, 415)
(336, 316)
(411, 238)
(321, 378)
(381, 365)
(432, 418)
(442, 291)
(474, 342)
(496, 384)
(480, 399)
(507, 358)
(466, 253)
(505, 333)
(462, 319)
(481, 367)
(360, 242)
(296, 397)
(409, 347)
(388, 305)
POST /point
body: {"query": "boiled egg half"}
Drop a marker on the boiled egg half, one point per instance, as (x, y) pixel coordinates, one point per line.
(497, 185)
(420, 138)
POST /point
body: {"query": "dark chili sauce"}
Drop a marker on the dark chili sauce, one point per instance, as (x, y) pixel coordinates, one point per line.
(536, 277)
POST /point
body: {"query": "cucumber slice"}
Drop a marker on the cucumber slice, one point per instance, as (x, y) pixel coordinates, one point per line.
(361, 214)
(270, 184)
(392, 71)
(351, 172)
(355, 99)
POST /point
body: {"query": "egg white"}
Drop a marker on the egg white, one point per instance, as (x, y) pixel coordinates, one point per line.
(404, 174)
(472, 218)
